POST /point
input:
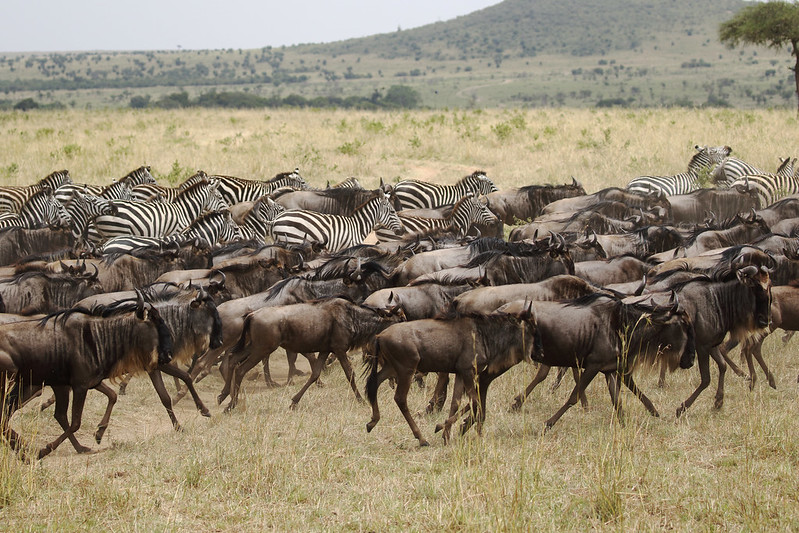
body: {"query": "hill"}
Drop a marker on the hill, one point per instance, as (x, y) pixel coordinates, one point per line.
(635, 53)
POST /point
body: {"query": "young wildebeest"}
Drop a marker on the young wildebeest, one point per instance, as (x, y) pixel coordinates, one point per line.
(75, 350)
(330, 326)
(600, 333)
(469, 346)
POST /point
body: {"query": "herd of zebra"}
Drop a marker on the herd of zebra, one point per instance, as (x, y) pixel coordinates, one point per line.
(259, 245)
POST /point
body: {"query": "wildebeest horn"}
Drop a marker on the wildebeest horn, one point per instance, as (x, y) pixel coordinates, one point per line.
(217, 284)
(139, 303)
(93, 277)
(640, 290)
(575, 182)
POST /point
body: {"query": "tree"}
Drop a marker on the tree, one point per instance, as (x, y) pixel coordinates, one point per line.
(771, 24)
(402, 96)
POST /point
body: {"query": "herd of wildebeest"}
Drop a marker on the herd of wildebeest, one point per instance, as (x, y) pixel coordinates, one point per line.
(100, 283)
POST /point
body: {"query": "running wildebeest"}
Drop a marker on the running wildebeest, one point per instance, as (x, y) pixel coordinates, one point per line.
(482, 346)
(75, 350)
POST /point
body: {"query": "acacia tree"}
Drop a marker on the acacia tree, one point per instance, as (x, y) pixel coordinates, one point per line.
(771, 24)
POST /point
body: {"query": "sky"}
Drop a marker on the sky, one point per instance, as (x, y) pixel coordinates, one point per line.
(87, 25)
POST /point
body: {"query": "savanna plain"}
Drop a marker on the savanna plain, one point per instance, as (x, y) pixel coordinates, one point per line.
(264, 466)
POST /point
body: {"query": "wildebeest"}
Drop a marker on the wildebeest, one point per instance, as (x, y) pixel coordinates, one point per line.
(425, 300)
(525, 203)
(656, 202)
(75, 350)
(601, 333)
(471, 347)
(693, 208)
(41, 291)
(329, 326)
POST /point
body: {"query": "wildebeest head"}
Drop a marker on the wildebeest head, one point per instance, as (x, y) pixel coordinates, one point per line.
(205, 299)
(759, 281)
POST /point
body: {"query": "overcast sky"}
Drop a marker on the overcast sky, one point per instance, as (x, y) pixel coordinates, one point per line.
(71, 25)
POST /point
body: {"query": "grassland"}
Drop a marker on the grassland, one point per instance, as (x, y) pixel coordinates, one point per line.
(316, 468)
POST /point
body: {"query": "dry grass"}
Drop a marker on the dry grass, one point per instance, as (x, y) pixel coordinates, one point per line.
(316, 468)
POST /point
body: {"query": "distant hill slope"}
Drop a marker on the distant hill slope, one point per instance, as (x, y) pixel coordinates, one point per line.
(524, 28)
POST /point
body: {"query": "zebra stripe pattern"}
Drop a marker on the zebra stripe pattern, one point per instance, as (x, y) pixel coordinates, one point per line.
(335, 232)
(41, 209)
(118, 190)
(415, 194)
(148, 192)
(730, 169)
(12, 197)
(235, 190)
(706, 158)
(151, 219)
(465, 213)
(83, 209)
(212, 228)
(257, 223)
(773, 187)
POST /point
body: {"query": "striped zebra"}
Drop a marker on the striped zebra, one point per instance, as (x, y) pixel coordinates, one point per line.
(730, 169)
(235, 190)
(705, 159)
(335, 232)
(41, 209)
(118, 190)
(349, 183)
(12, 196)
(415, 194)
(148, 192)
(216, 227)
(82, 210)
(153, 219)
(466, 212)
(773, 187)
(257, 223)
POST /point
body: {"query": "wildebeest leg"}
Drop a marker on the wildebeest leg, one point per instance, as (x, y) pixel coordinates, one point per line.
(756, 351)
(291, 357)
(123, 384)
(627, 379)
(182, 375)
(318, 364)
(61, 405)
(379, 377)
(724, 350)
(614, 388)
(236, 375)
(788, 335)
(559, 377)
(112, 399)
(662, 376)
(703, 361)
(12, 400)
(439, 396)
(271, 383)
(166, 400)
(585, 378)
(457, 393)
(200, 367)
(541, 375)
(47, 403)
(404, 381)
(345, 364)
(714, 353)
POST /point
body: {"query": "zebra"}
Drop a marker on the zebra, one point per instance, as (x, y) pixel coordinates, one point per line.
(773, 187)
(235, 190)
(118, 190)
(82, 210)
(148, 192)
(152, 219)
(335, 232)
(467, 211)
(706, 158)
(349, 183)
(257, 223)
(41, 209)
(12, 196)
(730, 169)
(415, 194)
(209, 229)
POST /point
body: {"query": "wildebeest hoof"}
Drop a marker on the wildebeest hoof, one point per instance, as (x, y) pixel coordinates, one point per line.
(516, 406)
(220, 399)
(98, 435)
(370, 425)
(439, 427)
(423, 442)
(718, 403)
(206, 413)
(293, 406)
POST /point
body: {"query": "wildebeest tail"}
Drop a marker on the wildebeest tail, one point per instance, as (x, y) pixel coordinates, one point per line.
(372, 383)
(245, 334)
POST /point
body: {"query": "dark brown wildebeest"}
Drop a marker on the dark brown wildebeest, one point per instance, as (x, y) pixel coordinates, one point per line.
(693, 208)
(525, 203)
(75, 350)
(193, 321)
(739, 230)
(739, 306)
(655, 202)
(18, 243)
(641, 242)
(600, 333)
(483, 346)
(41, 291)
(329, 326)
